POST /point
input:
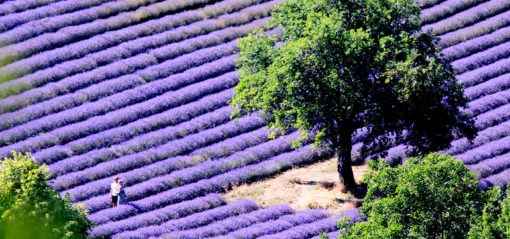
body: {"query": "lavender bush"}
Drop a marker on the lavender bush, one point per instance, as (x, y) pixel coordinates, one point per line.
(54, 8)
(164, 151)
(281, 224)
(234, 223)
(311, 229)
(195, 220)
(168, 213)
(146, 141)
(478, 29)
(112, 119)
(468, 17)
(130, 48)
(118, 88)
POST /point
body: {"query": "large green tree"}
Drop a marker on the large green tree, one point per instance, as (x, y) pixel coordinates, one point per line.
(342, 65)
(30, 209)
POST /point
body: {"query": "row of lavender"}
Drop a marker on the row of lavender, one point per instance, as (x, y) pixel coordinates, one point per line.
(244, 153)
(182, 147)
(480, 52)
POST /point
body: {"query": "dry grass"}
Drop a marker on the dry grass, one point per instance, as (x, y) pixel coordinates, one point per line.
(314, 186)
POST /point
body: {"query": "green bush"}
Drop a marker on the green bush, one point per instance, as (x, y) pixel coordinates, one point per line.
(29, 208)
(435, 196)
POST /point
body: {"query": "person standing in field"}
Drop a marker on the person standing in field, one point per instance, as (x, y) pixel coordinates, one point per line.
(114, 191)
(122, 193)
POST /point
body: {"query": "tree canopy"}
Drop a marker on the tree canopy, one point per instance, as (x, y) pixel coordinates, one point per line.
(342, 65)
(435, 196)
(29, 208)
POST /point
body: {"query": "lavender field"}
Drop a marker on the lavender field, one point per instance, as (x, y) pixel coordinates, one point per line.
(139, 89)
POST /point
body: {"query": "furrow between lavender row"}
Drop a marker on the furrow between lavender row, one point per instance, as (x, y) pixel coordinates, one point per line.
(149, 28)
(491, 166)
(174, 211)
(484, 73)
(468, 17)
(490, 102)
(446, 9)
(477, 44)
(144, 178)
(484, 136)
(10, 7)
(156, 38)
(65, 131)
(487, 88)
(189, 175)
(253, 231)
(306, 231)
(483, 58)
(152, 155)
(171, 127)
(478, 29)
(45, 34)
(218, 183)
(242, 221)
(235, 208)
(47, 12)
(500, 179)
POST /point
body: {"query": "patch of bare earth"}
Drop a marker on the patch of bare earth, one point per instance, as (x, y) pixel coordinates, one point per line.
(313, 186)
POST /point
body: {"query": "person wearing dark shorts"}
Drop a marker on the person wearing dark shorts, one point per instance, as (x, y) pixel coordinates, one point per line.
(114, 191)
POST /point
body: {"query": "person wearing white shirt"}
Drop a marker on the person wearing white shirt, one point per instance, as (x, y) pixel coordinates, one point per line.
(114, 191)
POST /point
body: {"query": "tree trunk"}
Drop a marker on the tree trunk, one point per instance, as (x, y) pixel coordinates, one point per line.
(347, 183)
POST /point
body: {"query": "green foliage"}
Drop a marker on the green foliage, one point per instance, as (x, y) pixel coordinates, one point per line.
(431, 197)
(494, 223)
(29, 208)
(341, 65)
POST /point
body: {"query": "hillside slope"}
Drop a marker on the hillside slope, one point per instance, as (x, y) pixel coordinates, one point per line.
(139, 89)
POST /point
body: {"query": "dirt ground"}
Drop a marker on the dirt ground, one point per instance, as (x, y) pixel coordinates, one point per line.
(313, 186)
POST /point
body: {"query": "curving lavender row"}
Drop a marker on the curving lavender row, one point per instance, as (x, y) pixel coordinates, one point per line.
(488, 87)
(493, 117)
(179, 170)
(468, 17)
(140, 91)
(445, 9)
(271, 227)
(116, 118)
(52, 9)
(491, 166)
(306, 231)
(242, 221)
(489, 102)
(195, 220)
(92, 59)
(478, 29)
(172, 148)
(484, 73)
(184, 176)
(9, 7)
(484, 136)
(148, 28)
(477, 44)
(143, 61)
(486, 151)
(480, 59)
(168, 213)
(500, 179)
(45, 34)
(217, 183)
(207, 121)
(152, 139)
